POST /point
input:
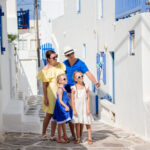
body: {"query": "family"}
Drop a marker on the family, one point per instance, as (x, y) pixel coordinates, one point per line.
(66, 97)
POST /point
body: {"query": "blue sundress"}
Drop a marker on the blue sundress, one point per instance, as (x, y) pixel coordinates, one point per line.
(60, 115)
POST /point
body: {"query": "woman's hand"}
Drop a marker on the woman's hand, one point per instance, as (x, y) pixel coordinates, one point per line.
(46, 101)
(66, 108)
(88, 112)
(75, 113)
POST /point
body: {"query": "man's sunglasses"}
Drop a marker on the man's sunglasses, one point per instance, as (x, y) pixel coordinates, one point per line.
(69, 54)
(55, 57)
(79, 77)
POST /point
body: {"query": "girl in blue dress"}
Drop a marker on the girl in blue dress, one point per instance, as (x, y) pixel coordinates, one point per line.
(62, 112)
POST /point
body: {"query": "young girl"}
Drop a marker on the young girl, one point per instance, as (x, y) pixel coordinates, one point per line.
(81, 107)
(62, 112)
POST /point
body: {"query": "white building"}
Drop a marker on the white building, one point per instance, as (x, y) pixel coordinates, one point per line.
(7, 61)
(12, 116)
(122, 40)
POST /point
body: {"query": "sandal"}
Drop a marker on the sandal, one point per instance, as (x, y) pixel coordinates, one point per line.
(66, 139)
(53, 138)
(60, 140)
(77, 141)
(90, 141)
(44, 137)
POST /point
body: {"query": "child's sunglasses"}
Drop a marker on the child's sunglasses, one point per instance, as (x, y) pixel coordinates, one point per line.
(64, 79)
(79, 77)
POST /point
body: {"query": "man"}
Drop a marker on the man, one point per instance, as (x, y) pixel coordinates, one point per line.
(75, 64)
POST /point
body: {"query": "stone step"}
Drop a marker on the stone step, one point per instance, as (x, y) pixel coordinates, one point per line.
(31, 124)
(14, 119)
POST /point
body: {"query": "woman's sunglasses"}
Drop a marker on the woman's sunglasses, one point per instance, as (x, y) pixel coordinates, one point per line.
(79, 77)
(55, 57)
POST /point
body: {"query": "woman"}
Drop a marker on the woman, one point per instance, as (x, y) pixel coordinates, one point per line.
(48, 75)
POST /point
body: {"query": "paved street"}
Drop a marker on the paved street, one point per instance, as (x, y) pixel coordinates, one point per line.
(105, 137)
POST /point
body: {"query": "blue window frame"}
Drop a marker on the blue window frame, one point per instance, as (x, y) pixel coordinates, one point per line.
(102, 9)
(101, 66)
(84, 51)
(1, 33)
(113, 76)
(132, 43)
(23, 19)
(78, 6)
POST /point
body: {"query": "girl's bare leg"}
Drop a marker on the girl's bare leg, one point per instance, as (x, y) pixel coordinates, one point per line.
(59, 131)
(81, 129)
(71, 125)
(53, 128)
(78, 130)
(89, 132)
(46, 122)
(64, 130)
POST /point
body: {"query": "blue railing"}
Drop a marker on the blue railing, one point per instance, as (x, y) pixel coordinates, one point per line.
(23, 19)
(45, 47)
(124, 8)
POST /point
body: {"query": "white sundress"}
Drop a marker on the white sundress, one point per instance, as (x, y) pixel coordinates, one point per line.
(81, 107)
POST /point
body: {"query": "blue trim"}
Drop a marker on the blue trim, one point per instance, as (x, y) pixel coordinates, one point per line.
(84, 51)
(79, 6)
(96, 103)
(132, 33)
(113, 75)
(1, 31)
(45, 47)
(93, 87)
(98, 69)
(102, 4)
(104, 68)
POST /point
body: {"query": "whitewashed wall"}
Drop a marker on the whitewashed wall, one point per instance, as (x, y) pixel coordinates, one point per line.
(12, 17)
(4, 67)
(50, 10)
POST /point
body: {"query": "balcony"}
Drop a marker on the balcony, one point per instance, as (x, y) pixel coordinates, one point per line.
(125, 8)
(23, 19)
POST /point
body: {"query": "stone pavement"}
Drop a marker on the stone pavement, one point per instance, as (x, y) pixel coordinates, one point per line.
(104, 136)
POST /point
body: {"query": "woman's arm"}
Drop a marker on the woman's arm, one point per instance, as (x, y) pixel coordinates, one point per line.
(45, 85)
(88, 101)
(72, 101)
(60, 93)
(92, 78)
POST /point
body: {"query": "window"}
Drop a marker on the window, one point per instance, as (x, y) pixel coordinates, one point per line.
(100, 9)
(1, 33)
(23, 45)
(132, 43)
(23, 19)
(84, 51)
(78, 6)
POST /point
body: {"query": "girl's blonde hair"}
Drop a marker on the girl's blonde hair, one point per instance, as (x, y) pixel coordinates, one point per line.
(74, 75)
(58, 77)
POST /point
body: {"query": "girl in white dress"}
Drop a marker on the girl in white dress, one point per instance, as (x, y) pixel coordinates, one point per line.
(81, 107)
